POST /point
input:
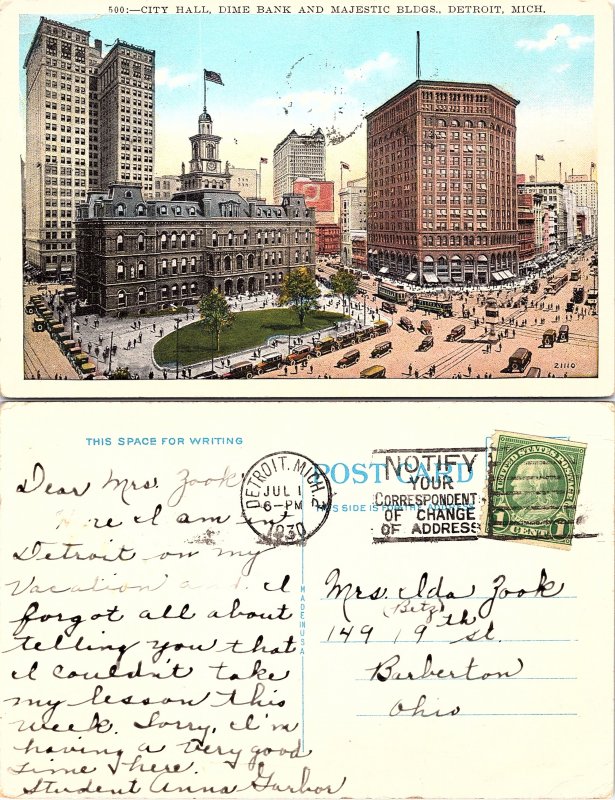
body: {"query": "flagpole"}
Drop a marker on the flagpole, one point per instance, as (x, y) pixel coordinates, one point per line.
(260, 179)
(535, 169)
(204, 92)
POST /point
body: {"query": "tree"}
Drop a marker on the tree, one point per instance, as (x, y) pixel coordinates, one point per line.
(345, 284)
(215, 314)
(120, 374)
(299, 290)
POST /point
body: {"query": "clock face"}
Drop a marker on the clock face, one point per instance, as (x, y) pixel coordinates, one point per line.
(211, 166)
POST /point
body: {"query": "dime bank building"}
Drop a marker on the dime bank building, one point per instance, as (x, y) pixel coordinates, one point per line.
(136, 255)
(441, 203)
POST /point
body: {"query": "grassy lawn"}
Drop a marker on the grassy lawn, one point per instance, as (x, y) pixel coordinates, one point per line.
(250, 330)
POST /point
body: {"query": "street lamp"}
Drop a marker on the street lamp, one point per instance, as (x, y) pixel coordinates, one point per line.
(177, 324)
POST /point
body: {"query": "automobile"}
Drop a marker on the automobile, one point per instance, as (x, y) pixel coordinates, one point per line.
(406, 324)
(426, 344)
(344, 339)
(381, 349)
(364, 334)
(375, 371)
(533, 372)
(521, 301)
(425, 327)
(30, 308)
(562, 335)
(38, 324)
(268, 362)
(457, 332)
(299, 355)
(208, 375)
(380, 327)
(548, 338)
(570, 306)
(388, 308)
(350, 357)
(519, 360)
(242, 369)
(324, 346)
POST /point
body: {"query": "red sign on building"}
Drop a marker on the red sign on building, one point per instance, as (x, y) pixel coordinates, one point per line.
(318, 194)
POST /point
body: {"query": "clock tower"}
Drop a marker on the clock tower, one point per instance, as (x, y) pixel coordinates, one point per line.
(206, 171)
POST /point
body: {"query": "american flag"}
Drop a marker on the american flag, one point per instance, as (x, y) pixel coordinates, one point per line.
(264, 160)
(344, 165)
(212, 77)
(539, 158)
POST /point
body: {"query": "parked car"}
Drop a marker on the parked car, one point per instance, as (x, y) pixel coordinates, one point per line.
(299, 355)
(268, 362)
(426, 344)
(242, 369)
(375, 371)
(406, 324)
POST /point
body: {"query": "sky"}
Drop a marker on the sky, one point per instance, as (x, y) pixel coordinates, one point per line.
(305, 71)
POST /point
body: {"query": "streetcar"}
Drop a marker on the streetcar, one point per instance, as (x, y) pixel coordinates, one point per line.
(592, 297)
(556, 283)
(387, 291)
(443, 308)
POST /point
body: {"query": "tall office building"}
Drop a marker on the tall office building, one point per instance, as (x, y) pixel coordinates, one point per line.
(586, 191)
(441, 201)
(88, 123)
(126, 114)
(298, 156)
(353, 216)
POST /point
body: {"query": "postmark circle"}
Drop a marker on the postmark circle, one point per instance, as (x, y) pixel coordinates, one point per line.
(285, 498)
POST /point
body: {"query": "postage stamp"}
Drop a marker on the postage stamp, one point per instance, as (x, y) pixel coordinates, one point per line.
(533, 488)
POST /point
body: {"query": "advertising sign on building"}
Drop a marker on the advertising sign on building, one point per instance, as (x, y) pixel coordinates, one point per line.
(318, 194)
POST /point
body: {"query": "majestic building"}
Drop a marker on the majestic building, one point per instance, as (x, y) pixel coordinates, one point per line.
(136, 255)
(526, 231)
(327, 238)
(353, 217)
(89, 122)
(298, 156)
(441, 197)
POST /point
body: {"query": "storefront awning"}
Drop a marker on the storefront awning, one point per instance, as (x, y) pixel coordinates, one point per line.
(411, 276)
(383, 271)
(456, 279)
(498, 276)
(508, 275)
(430, 277)
(443, 279)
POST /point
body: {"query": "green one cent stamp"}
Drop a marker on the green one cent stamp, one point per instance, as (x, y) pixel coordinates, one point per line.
(533, 488)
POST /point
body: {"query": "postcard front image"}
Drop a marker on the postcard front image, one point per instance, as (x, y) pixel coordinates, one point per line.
(377, 203)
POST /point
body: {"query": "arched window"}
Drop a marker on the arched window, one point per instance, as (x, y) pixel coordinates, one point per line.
(193, 264)
(245, 237)
(279, 257)
(128, 193)
(193, 240)
(250, 261)
(119, 243)
(280, 276)
(296, 237)
(192, 211)
(141, 269)
(184, 289)
(297, 256)
(307, 256)
(259, 237)
(140, 242)
(132, 270)
(121, 299)
(120, 272)
(227, 263)
(164, 267)
(173, 240)
(174, 290)
(266, 262)
(163, 210)
(164, 241)
(193, 288)
(230, 238)
(141, 295)
(174, 266)
(140, 210)
(279, 237)
(164, 292)
(239, 262)
(120, 210)
(184, 266)
(214, 239)
(178, 211)
(307, 237)
(183, 241)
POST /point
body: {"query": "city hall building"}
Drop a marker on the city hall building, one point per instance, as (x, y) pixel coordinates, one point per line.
(441, 196)
(136, 255)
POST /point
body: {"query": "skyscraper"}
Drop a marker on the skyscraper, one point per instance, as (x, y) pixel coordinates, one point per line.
(441, 202)
(89, 121)
(298, 156)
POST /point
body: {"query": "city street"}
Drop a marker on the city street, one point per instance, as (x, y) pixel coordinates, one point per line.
(482, 352)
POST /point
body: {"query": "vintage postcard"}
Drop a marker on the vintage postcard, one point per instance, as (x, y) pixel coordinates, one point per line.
(198, 601)
(267, 194)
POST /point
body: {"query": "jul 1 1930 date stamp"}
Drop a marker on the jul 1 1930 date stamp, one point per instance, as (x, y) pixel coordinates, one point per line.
(533, 488)
(285, 498)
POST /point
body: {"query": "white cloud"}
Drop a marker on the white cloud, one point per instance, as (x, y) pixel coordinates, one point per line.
(549, 40)
(575, 42)
(384, 62)
(561, 68)
(164, 78)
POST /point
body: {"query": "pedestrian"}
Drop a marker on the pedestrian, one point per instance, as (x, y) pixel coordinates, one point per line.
(139, 323)
(469, 370)
(38, 374)
(416, 373)
(183, 373)
(134, 342)
(410, 370)
(128, 345)
(77, 327)
(189, 372)
(100, 339)
(151, 375)
(89, 347)
(311, 369)
(154, 327)
(285, 371)
(164, 374)
(140, 338)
